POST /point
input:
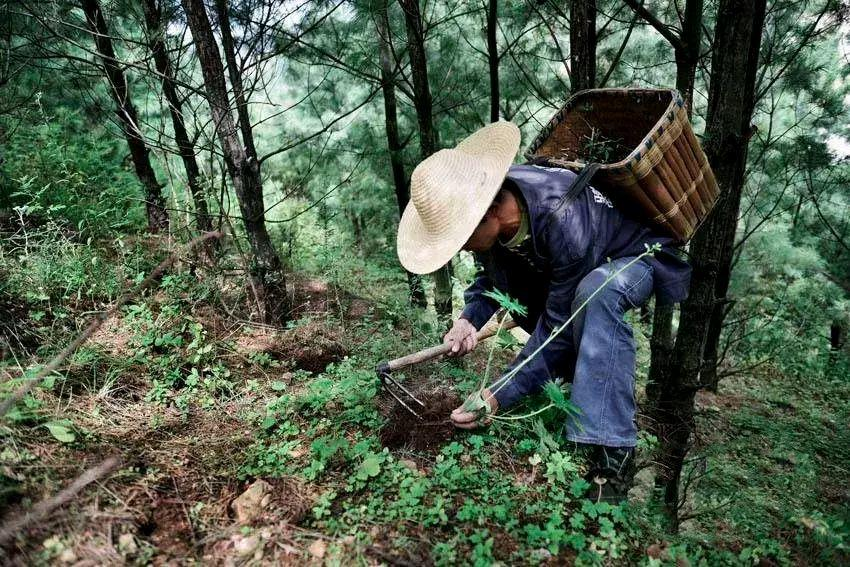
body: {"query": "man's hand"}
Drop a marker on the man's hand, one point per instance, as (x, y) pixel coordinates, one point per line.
(462, 337)
(463, 419)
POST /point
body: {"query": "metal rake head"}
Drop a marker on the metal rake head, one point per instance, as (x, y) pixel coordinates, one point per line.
(401, 394)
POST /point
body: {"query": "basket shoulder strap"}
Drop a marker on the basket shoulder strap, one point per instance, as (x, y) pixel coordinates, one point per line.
(581, 181)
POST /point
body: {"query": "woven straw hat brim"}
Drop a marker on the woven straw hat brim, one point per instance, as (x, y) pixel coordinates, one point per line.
(423, 251)
(450, 193)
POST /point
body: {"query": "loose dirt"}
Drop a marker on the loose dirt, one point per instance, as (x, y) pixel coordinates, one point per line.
(404, 430)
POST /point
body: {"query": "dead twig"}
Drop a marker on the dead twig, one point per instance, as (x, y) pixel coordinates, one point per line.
(14, 526)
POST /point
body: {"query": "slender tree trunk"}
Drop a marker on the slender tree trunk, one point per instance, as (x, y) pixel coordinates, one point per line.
(185, 147)
(428, 139)
(266, 270)
(687, 51)
(235, 74)
(125, 110)
(582, 44)
(730, 108)
(837, 338)
(402, 192)
(493, 59)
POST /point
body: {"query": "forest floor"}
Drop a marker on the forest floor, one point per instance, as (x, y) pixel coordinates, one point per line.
(243, 444)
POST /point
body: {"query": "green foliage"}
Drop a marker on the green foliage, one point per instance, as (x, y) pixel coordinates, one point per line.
(58, 169)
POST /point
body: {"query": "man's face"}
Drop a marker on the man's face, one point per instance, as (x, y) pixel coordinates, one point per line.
(485, 234)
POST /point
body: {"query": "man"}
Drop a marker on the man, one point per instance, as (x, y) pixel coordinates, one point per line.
(551, 253)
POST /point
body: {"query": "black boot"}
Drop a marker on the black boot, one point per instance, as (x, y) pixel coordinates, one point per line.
(612, 470)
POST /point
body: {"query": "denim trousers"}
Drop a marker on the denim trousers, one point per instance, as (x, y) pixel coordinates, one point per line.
(603, 366)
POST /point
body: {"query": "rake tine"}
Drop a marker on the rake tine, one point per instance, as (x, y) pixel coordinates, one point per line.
(393, 388)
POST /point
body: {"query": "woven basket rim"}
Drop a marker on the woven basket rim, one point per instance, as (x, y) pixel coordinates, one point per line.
(571, 102)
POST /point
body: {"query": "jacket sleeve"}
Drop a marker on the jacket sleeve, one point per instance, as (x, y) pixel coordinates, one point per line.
(566, 243)
(478, 308)
(545, 366)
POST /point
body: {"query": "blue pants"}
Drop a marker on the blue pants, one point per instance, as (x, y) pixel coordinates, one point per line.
(603, 369)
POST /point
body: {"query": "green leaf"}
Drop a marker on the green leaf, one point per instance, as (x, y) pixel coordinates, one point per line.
(559, 399)
(60, 431)
(370, 467)
(278, 386)
(577, 487)
(505, 339)
(48, 382)
(506, 302)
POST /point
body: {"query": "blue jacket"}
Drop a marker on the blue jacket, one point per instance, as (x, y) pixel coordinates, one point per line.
(566, 244)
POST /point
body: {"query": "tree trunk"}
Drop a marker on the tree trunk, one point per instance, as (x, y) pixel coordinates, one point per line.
(235, 74)
(402, 193)
(837, 338)
(730, 108)
(428, 139)
(185, 147)
(157, 213)
(687, 51)
(493, 59)
(266, 271)
(582, 44)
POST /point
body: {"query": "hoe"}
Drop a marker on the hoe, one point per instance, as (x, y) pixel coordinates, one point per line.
(401, 394)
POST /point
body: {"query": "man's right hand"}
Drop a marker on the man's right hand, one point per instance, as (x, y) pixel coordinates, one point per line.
(462, 337)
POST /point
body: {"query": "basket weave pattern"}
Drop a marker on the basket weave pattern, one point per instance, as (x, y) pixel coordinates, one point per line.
(652, 165)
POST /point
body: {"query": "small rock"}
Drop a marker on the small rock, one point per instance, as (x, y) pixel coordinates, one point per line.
(297, 452)
(409, 464)
(127, 544)
(67, 556)
(654, 551)
(318, 548)
(245, 546)
(249, 505)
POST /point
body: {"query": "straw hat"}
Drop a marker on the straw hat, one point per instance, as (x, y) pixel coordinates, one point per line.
(449, 193)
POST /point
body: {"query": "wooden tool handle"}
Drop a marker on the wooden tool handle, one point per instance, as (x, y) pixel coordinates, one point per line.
(439, 350)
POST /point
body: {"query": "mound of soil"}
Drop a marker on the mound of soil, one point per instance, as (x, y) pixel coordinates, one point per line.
(405, 430)
(312, 346)
(315, 297)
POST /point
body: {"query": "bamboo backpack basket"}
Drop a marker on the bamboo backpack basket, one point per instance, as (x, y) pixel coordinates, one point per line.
(650, 163)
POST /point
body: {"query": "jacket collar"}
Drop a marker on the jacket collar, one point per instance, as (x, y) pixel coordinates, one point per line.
(541, 188)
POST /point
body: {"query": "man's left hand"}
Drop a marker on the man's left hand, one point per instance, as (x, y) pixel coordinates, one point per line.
(463, 419)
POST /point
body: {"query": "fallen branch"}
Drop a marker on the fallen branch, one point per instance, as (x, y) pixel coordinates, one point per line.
(13, 527)
(98, 320)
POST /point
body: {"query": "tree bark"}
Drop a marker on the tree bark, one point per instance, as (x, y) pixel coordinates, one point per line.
(235, 74)
(402, 192)
(428, 138)
(686, 47)
(267, 272)
(119, 89)
(688, 52)
(582, 44)
(185, 147)
(493, 59)
(730, 108)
